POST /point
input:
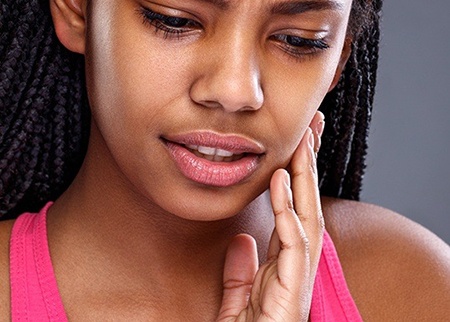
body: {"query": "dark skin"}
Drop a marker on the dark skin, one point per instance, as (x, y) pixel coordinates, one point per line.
(118, 210)
(409, 263)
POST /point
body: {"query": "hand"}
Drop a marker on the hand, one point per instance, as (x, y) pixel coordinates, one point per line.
(281, 290)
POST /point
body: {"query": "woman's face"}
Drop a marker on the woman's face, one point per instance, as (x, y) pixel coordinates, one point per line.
(200, 101)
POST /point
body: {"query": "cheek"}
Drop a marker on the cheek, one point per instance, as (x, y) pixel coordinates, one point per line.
(130, 77)
(293, 97)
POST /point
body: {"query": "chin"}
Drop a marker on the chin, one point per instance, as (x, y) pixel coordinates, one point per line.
(199, 210)
(212, 205)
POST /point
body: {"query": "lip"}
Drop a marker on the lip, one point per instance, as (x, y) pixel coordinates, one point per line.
(210, 173)
(230, 142)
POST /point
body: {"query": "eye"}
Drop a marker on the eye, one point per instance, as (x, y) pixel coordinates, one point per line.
(299, 46)
(169, 25)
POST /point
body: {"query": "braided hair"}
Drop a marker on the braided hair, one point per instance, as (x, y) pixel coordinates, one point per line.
(348, 107)
(44, 115)
(44, 111)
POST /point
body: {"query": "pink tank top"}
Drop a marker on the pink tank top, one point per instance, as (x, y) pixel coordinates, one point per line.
(35, 295)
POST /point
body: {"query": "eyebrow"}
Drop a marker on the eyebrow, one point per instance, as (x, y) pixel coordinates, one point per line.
(290, 8)
(222, 4)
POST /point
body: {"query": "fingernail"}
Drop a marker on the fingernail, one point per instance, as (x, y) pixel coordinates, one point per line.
(311, 138)
(320, 128)
(287, 179)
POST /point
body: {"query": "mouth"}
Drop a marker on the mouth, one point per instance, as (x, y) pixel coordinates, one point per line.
(214, 160)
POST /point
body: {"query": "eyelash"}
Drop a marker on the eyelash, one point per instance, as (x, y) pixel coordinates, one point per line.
(300, 47)
(168, 24)
(175, 27)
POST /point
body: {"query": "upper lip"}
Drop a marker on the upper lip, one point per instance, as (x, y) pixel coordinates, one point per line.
(236, 144)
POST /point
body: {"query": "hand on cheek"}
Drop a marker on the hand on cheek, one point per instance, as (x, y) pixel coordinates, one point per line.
(281, 289)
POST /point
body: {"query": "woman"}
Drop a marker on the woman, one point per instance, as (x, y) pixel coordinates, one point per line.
(197, 107)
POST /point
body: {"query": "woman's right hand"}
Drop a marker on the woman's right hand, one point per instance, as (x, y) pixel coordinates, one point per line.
(281, 289)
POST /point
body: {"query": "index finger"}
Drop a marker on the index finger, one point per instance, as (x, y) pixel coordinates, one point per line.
(306, 194)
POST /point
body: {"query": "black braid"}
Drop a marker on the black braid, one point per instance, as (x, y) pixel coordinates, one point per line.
(348, 108)
(44, 114)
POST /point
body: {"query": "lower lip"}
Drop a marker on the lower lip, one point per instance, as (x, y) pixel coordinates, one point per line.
(218, 174)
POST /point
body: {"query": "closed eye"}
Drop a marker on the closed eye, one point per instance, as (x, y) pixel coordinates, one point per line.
(169, 25)
(299, 46)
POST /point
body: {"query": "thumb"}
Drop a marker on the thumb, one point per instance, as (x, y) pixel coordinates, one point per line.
(241, 265)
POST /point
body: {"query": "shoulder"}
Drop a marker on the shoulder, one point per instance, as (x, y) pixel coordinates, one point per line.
(5, 233)
(395, 268)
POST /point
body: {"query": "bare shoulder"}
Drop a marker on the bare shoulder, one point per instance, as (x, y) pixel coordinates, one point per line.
(396, 269)
(5, 233)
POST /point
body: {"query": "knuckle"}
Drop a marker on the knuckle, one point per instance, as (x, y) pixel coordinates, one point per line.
(305, 243)
(303, 218)
(317, 220)
(288, 245)
(228, 315)
(286, 208)
(278, 211)
(290, 205)
(286, 284)
(312, 169)
(302, 244)
(232, 284)
(309, 169)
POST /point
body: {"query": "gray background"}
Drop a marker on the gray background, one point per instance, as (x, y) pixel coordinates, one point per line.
(409, 149)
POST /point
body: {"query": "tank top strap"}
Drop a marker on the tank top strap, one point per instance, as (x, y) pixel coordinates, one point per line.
(34, 291)
(332, 300)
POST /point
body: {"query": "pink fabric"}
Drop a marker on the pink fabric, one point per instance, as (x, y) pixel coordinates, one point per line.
(34, 292)
(35, 295)
(331, 299)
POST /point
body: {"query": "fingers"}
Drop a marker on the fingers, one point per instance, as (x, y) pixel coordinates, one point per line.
(297, 243)
(306, 194)
(283, 286)
(292, 253)
(304, 234)
(241, 264)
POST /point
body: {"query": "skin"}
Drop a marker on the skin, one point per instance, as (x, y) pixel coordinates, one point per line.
(130, 204)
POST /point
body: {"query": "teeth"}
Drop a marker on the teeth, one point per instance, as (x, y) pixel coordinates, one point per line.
(208, 157)
(206, 150)
(192, 147)
(210, 151)
(212, 154)
(224, 153)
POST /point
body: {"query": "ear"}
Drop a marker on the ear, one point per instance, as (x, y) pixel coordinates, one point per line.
(68, 19)
(345, 55)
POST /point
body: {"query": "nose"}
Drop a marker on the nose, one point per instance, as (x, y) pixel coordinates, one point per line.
(229, 77)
